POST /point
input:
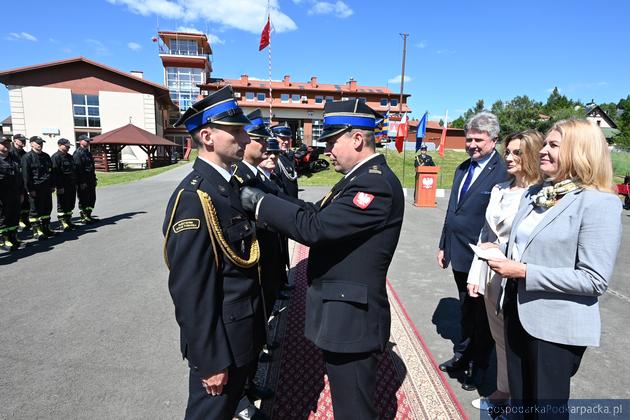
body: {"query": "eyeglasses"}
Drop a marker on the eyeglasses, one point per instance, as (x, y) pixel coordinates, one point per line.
(515, 153)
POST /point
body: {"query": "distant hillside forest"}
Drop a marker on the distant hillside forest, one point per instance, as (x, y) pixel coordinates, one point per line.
(522, 113)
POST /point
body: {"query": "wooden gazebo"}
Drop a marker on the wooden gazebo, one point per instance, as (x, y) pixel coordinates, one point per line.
(106, 147)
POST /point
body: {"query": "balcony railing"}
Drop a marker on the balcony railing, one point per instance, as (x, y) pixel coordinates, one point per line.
(186, 52)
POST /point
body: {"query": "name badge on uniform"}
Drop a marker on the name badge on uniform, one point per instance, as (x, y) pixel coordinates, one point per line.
(186, 224)
(362, 200)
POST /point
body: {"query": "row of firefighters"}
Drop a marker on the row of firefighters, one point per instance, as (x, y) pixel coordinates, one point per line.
(28, 180)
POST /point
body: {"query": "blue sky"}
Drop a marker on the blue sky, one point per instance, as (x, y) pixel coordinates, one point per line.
(457, 51)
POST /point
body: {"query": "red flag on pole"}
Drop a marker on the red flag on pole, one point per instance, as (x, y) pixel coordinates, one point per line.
(401, 134)
(264, 37)
(443, 137)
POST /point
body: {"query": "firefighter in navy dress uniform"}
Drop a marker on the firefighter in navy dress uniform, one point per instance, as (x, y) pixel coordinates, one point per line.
(10, 195)
(422, 159)
(212, 254)
(352, 234)
(18, 152)
(65, 182)
(286, 166)
(37, 173)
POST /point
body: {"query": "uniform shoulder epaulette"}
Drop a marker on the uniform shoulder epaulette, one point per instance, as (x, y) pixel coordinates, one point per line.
(193, 184)
(375, 169)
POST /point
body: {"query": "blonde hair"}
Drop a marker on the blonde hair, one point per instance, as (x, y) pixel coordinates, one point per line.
(531, 143)
(584, 155)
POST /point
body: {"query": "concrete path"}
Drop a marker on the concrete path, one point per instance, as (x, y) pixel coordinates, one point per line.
(88, 329)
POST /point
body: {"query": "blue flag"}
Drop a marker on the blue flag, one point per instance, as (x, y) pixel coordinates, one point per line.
(422, 131)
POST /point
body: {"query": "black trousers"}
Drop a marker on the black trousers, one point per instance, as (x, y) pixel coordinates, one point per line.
(539, 371)
(475, 342)
(66, 201)
(87, 197)
(41, 204)
(352, 378)
(202, 406)
(9, 209)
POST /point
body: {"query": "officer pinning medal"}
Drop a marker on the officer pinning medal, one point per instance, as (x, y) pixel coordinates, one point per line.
(352, 233)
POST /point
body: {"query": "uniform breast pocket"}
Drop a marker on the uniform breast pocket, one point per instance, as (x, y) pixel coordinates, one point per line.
(344, 311)
(239, 234)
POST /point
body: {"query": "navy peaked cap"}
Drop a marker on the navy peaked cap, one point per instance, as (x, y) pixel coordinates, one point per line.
(273, 146)
(219, 107)
(340, 116)
(37, 139)
(282, 130)
(257, 128)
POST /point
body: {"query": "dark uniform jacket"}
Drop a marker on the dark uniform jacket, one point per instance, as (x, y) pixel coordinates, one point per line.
(10, 178)
(465, 219)
(84, 163)
(37, 171)
(288, 175)
(423, 160)
(272, 257)
(17, 154)
(353, 233)
(218, 308)
(63, 170)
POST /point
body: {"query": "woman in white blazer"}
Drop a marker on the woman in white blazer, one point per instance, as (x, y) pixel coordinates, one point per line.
(521, 160)
(561, 254)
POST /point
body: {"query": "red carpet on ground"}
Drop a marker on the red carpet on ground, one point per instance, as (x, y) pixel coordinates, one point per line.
(409, 385)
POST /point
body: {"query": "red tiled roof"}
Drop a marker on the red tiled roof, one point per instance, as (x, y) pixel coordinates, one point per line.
(132, 136)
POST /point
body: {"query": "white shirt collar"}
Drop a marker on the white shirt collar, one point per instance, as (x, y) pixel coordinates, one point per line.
(360, 163)
(266, 173)
(483, 162)
(224, 173)
(251, 167)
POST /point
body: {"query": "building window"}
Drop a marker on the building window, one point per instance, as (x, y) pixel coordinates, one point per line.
(182, 85)
(249, 96)
(319, 99)
(261, 97)
(295, 98)
(317, 129)
(362, 100)
(184, 47)
(329, 99)
(394, 102)
(284, 97)
(384, 102)
(85, 110)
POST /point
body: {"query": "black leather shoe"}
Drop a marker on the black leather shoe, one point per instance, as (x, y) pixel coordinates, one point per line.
(257, 392)
(474, 377)
(453, 364)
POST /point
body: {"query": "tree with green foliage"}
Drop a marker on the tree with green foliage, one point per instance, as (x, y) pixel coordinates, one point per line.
(623, 123)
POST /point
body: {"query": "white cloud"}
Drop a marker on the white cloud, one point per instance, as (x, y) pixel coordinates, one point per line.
(397, 79)
(338, 8)
(134, 46)
(14, 36)
(421, 44)
(246, 15)
(214, 39)
(99, 47)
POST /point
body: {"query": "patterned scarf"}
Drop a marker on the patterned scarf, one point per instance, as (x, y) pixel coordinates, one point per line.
(550, 193)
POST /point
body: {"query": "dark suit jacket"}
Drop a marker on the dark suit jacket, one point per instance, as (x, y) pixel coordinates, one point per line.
(218, 309)
(288, 185)
(353, 233)
(465, 219)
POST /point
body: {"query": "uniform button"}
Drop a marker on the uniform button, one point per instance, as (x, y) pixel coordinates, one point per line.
(342, 295)
(231, 317)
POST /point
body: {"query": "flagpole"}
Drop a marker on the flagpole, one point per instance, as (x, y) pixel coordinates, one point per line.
(270, 65)
(400, 102)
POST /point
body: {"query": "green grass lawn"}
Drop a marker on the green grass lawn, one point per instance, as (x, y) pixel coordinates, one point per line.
(621, 165)
(395, 161)
(130, 175)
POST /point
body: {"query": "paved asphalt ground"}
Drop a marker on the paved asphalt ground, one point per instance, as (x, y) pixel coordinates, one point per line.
(88, 330)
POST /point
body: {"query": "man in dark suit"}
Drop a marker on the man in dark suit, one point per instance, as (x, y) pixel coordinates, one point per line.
(212, 254)
(465, 217)
(352, 233)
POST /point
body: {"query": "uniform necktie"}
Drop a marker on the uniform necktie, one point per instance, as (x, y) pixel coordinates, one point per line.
(468, 180)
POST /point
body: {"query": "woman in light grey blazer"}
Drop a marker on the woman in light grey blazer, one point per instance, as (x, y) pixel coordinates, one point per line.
(561, 253)
(521, 161)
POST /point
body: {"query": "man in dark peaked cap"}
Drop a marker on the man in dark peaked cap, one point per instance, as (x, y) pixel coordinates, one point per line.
(37, 171)
(18, 152)
(286, 166)
(212, 253)
(65, 181)
(352, 233)
(86, 179)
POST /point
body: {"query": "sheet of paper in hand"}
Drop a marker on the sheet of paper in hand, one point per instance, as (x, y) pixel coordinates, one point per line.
(487, 254)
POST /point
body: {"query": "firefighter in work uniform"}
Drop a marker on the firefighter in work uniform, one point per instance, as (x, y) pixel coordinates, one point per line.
(86, 179)
(37, 173)
(64, 180)
(10, 195)
(18, 152)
